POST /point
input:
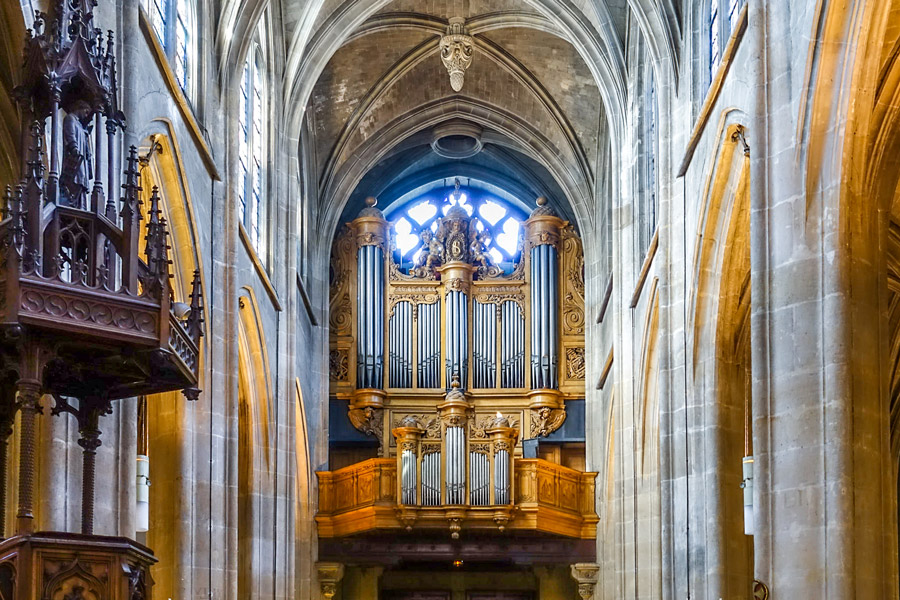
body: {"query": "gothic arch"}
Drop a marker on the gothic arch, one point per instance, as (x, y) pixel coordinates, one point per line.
(852, 172)
(12, 36)
(494, 53)
(254, 448)
(304, 502)
(169, 418)
(719, 365)
(165, 169)
(646, 447)
(308, 56)
(523, 138)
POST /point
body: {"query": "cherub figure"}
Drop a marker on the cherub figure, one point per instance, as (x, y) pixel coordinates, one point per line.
(431, 257)
(480, 258)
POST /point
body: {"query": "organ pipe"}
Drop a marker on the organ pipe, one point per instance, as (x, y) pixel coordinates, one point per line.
(543, 232)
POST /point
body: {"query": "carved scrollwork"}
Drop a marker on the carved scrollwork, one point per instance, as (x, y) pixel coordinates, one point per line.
(575, 365)
(431, 424)
(457, 285)
(481, 424)
(481, 448)
(545, 421)
(430, 447)
(73, 308)
(573, 280)
(339, 365)
(370, 421)
(340, 307)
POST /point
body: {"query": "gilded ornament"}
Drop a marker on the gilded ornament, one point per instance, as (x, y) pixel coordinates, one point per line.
(370, 421)
(575, 365)
(338, 365)
(545, 421)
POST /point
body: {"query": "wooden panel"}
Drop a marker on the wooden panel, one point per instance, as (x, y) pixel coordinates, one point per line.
(406, 595)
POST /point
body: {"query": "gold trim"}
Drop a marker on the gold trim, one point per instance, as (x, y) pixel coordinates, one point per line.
(607, 296)
(549, 498)
(645, 269)
(607, 367)
(260, 270)
(715, 89)
(159, 54)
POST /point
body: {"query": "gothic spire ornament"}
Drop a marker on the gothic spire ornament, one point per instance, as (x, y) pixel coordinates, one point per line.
(457, 50)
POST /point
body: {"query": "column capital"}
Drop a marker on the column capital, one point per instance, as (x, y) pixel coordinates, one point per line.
(330, 574)
(586, 575)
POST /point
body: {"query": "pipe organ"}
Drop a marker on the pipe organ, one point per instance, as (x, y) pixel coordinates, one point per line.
(478, 356)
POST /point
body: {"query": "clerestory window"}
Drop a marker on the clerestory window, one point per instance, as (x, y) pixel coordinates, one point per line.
(252, 125)
(721, 20)
(174, 24)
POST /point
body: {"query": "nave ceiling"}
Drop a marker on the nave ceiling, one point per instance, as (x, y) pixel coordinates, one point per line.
(365, 87)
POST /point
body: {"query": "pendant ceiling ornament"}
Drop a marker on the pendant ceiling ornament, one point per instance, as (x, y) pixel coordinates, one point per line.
(457, 51)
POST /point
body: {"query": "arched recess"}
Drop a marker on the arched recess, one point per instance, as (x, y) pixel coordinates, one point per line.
(12, 37)
(646, 447)
(721, 358)
(166, 420)
(304, 504)
(852, 175)
(521, 136)
(255, 452)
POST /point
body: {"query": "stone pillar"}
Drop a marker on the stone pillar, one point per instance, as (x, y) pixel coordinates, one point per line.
(330, 574)
(586, 575)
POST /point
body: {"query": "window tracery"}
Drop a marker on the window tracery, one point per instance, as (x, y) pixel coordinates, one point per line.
(497, 223)
(252, 108)
(721, 21)
(174, 24)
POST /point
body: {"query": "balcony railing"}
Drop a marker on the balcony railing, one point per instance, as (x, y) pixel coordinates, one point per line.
(366, 497)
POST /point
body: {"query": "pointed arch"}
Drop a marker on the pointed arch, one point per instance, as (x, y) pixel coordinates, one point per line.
(168, 417)
(719, 309)
(255, 455)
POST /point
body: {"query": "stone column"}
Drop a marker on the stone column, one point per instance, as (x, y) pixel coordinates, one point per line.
(330, 574)
(586, 575)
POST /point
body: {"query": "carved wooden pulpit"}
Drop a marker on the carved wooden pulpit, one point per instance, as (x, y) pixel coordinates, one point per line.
(87, 315)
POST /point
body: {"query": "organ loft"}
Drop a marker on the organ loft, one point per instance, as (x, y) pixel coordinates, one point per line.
(453, 343)
(449, 300)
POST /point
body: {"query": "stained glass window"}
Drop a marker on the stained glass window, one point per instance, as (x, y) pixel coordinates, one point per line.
(251, 150)
(158, 11)
(715, 50)
(182, 50)
(501, 220)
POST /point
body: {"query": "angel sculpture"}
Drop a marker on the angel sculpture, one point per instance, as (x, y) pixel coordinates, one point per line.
(431, 257)
(480, 257)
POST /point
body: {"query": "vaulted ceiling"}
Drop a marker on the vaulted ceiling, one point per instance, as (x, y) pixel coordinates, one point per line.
(528, 91)
(366, 94)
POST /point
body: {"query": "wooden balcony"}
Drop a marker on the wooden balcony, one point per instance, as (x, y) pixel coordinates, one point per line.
(549, 499)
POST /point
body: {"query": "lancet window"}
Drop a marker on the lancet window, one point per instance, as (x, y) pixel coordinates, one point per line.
(722, 19)
(252, 135)
(648, 207)
(173, 22)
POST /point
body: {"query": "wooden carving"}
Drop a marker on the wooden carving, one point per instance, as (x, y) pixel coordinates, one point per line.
(342, 258)
(575, 365)
(572, 270)
(545, 421)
